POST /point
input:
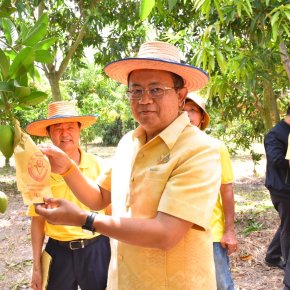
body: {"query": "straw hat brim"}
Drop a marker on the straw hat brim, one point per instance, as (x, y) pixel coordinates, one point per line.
(38, 128)
(195, 78)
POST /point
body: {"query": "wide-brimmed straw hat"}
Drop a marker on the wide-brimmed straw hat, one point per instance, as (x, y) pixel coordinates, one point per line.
(60, 112)
(158, 55)
(199, 101)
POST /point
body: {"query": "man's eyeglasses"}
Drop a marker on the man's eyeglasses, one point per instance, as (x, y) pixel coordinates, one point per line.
(155, 93)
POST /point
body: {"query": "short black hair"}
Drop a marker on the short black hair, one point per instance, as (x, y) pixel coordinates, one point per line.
(178, 81)
(288, 110)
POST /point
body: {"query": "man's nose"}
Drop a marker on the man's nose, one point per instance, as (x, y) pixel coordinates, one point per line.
(146, 98)
(64, 131)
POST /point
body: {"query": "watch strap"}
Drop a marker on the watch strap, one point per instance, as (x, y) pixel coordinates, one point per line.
(89, 224)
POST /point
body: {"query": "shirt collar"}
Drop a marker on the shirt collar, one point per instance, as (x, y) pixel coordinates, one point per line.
(170, 134)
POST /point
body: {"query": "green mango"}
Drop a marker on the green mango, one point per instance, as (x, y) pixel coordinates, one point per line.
(6, 140)
(3, 202)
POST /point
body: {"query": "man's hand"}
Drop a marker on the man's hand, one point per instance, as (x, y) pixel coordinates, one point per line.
(61, 212)
(58, 159)
(229, 241)
(36, 281)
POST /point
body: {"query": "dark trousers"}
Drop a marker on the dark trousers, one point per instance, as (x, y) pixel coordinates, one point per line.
(86, 267)
(280, 244)
(274, 252)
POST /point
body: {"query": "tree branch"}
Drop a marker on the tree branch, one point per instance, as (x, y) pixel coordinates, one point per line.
(71, 51)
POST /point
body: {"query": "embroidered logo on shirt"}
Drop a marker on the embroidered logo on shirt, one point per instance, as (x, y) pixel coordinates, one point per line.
(164, 158)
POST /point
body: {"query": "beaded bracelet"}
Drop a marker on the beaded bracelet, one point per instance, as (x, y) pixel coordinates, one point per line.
(73, 166)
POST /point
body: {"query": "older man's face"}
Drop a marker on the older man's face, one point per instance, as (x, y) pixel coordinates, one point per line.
(155, 114)
(65, 135)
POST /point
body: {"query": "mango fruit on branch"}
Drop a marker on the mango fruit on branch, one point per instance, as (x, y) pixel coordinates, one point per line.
(3, 202)
(6, 140)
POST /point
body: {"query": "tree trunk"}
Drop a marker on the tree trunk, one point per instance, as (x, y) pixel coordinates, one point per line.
(54, 85)
(7, 163)
(54, 75)
(271, 113)
(285, 58)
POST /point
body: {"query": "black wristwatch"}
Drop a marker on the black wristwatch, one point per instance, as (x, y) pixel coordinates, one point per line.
(89, 224)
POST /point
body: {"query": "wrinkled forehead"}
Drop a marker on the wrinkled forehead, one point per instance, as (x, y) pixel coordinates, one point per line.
(150, 75)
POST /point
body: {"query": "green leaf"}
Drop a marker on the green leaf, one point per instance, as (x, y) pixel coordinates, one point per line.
(239, 9)
(199, 58)
(159, 6)
(37, 32)
(21, 91)
(35, 35)
(146, 7)
(43, 56)
(206, 8)
(275, 31)
(286, 29)
(198, 4)
(35, 74)
(4, 64)
(22, 62)
(274, 19)
(221, 61)
(33, 99)
(6, 87)
(204, 60)
(218, 8)
(23, 30)
(287, 13)
(45, 44)
(171, 4)
(247, 7)
(8, 28)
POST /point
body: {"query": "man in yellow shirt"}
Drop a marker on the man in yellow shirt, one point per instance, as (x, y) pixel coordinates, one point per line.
(77, 258)
(222, 222)
(160, 221)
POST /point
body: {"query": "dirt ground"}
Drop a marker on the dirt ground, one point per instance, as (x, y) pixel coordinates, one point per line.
(256, 222)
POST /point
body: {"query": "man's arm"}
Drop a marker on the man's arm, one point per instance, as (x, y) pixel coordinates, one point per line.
(229, 239)
(162, 232)
(85, 189)
(275, 149)
(37, 238)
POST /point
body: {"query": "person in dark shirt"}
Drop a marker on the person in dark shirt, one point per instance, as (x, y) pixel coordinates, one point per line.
(278, 183)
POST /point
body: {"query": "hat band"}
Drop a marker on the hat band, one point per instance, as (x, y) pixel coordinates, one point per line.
(63, 116)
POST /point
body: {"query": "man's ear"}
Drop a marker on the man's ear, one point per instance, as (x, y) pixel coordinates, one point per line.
(182, 93)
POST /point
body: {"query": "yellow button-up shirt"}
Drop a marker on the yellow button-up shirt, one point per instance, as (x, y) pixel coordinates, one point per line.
(178, 173)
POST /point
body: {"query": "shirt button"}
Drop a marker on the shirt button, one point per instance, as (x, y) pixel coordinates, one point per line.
(120, 257)
(132, 179)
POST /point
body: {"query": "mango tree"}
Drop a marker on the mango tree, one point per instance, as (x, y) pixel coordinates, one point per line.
(103, 25)
(22, 47)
